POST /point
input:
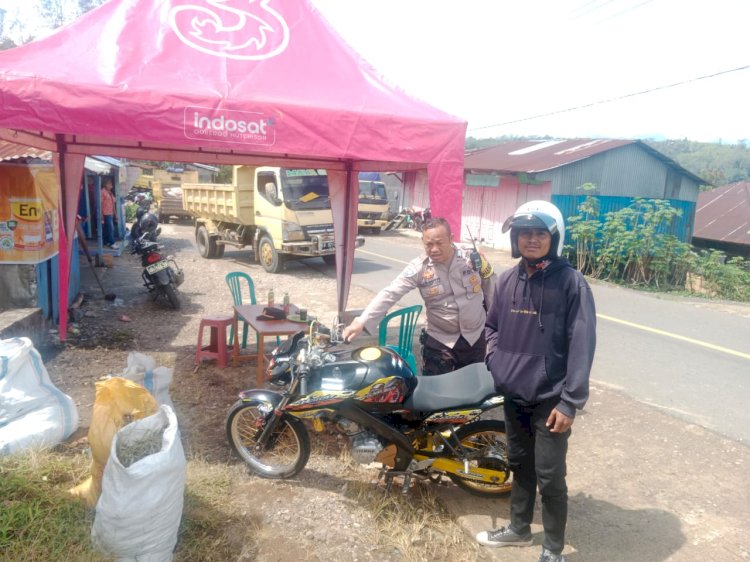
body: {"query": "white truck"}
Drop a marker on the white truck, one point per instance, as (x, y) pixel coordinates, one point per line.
(372, 209)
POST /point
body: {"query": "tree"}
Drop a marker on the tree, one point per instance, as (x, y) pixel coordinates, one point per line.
(52, 13)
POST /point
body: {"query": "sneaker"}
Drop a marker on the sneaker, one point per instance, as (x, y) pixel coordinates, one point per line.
(503, 536)
(114, 246)
(548, 556)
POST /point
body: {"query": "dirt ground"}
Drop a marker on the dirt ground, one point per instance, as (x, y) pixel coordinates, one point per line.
(644, 486)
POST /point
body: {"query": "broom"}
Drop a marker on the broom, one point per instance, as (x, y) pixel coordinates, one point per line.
(82, 242)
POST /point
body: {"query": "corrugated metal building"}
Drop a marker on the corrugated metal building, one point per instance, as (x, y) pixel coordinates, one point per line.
(500, 178)
(722, 219)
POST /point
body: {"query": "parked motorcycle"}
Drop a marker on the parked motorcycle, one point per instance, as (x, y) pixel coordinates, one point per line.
(161, 275)
(145, 223)
(423, 427)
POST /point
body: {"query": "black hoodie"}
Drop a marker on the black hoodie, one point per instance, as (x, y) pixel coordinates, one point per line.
(541, 335)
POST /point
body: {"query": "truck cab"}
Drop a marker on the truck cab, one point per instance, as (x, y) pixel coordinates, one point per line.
(292, 214)
(372, 210)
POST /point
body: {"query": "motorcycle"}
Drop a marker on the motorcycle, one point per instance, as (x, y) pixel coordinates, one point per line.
(415, 427)
(145, 223)
(161, 275)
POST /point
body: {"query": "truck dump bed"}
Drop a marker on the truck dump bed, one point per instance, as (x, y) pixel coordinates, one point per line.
(219, 202)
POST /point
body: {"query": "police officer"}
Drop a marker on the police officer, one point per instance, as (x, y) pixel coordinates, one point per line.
(456, 292)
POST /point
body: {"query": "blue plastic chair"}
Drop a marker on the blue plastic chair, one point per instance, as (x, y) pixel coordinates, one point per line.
(241, 285)
(237, 281)
(407, 323)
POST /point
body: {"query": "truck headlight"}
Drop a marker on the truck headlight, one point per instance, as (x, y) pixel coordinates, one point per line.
(292, 232)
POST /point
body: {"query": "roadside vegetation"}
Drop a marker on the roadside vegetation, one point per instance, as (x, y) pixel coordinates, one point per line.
(40, 520)
(635, 246)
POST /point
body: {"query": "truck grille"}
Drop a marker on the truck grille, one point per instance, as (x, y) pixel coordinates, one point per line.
(318, 229)
(369, 215)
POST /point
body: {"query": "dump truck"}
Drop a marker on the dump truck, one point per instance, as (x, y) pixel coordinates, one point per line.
(166, 188)
(282, 213)
(372, 209)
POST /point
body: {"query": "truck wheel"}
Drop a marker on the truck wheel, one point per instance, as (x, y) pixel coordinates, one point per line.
(330, 259)
(269, 258)
(203, 240)
(207, 245)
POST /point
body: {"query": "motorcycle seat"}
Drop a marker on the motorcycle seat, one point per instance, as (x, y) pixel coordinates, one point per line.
(467, 386)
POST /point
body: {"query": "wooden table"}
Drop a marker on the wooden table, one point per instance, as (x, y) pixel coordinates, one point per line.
(264, 328)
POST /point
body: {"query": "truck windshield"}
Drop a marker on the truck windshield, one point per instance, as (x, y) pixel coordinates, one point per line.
(372, 192)
(305, 189)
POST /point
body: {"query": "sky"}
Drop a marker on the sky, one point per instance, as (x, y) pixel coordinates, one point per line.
(521, 67)
(499, 63)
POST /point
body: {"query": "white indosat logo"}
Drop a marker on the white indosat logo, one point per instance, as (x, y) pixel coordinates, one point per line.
(229, 126)
(255, 32)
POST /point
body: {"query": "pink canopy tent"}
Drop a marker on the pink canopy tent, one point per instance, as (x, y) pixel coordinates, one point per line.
(259, 82)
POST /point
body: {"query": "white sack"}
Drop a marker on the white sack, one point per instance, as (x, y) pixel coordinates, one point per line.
(142, 369)
(139, 510)
(33, 411)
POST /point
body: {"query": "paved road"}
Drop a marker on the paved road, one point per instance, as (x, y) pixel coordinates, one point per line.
(687, 357)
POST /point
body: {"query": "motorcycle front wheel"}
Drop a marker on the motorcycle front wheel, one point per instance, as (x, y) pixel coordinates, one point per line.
(287, 450)
(487, 447)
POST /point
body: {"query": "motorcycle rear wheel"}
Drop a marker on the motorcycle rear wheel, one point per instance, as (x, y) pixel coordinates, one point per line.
(487, 436)
(290, 449)
(171, 295)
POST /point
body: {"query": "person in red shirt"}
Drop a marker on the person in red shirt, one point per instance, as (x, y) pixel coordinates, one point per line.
(108, 213)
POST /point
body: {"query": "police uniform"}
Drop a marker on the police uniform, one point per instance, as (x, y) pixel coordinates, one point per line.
(454, 295)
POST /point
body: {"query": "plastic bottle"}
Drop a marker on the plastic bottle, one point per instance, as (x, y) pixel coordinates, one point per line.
(270, 297)
(286, 303)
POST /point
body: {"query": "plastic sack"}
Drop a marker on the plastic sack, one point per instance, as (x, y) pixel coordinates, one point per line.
(33, 411)
(118, 402)
(139, 511)
(142, 369)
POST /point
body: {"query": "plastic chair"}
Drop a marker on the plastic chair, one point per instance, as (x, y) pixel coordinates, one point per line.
(237, 281)
(408, 322)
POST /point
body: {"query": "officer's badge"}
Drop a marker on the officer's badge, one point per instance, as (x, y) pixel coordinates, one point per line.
(428, 274)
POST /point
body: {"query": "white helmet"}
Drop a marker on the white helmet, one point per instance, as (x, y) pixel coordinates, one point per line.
(537, 214)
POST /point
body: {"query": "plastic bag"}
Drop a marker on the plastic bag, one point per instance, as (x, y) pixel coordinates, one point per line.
(33, 411)
(139, 511)
(142, 369)
(118, 402)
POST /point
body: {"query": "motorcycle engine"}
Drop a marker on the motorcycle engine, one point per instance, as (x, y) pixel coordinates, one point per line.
(365, 445)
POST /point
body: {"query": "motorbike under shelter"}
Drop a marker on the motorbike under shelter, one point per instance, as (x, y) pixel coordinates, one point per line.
(265, 83)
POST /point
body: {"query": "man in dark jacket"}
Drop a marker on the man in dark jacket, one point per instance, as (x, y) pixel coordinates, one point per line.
(541, 335)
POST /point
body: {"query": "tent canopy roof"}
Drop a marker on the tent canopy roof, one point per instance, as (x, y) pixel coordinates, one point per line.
(221, 76)
(223, 82)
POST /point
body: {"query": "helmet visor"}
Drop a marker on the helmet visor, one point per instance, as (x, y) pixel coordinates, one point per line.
(531, 220)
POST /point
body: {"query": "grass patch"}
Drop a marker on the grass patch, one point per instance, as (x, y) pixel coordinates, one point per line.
(415, 527)
(39, 519)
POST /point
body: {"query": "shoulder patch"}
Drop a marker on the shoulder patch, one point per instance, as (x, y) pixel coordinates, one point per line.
(409, 271)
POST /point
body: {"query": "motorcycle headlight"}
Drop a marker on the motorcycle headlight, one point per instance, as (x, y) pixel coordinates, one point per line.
(291, 232)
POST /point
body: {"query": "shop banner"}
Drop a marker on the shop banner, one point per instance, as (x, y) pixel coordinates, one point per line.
(28, 213)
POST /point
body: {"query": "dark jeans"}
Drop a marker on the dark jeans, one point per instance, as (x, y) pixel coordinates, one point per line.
(108, 234)
(439, 359)
(537, 457)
